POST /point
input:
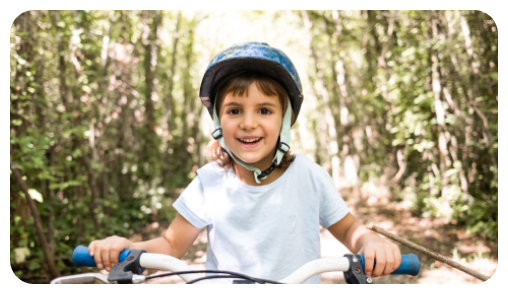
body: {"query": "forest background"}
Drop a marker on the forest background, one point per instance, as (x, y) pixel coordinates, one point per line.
(106, 127)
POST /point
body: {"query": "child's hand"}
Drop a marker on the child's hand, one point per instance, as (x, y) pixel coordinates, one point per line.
(105, 252)
(357, 238)
(386, 254)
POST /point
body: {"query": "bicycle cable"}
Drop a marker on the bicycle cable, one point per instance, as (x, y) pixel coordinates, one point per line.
(231, 275)
(217, 277)
(257, 280)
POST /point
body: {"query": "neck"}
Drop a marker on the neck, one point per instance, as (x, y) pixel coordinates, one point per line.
(247, 176)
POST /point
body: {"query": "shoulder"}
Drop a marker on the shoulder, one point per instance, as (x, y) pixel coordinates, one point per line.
(303, 164)
(307, 173)
(211, 172)
(209, 167)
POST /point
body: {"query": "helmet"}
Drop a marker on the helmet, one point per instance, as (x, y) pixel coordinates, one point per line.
(251, 56)
(261, 58)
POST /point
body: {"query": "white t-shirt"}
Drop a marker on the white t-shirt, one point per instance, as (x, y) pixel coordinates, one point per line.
(266, 231)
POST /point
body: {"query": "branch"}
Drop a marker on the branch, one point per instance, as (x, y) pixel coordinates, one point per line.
(429, 253)
(402, 166)
(37, 220)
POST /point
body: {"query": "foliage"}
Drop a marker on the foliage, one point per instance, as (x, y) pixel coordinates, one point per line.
(106, 126)
(420, 93)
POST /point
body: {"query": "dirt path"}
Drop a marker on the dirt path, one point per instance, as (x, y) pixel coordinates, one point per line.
(376, 207)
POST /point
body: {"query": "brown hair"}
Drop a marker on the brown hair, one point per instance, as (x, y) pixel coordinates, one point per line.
(239, 85)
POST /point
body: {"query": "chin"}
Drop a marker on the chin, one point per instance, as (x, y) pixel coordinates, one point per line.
(249, 159)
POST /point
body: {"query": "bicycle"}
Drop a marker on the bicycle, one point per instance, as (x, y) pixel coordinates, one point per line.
(132, 263)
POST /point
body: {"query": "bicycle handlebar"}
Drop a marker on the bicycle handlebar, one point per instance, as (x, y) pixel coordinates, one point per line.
(81, 257)
(410, 265)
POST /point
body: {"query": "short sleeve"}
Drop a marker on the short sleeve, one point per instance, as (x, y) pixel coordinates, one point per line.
(332, 207)
(192, 205)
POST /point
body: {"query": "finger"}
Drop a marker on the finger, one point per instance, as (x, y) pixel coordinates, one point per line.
(390, 261)
(98, 256)
(114, 253)
(369, 261)
(380, 263)
(397, 256)
(106, 248)
(105, 258)
(91, 248)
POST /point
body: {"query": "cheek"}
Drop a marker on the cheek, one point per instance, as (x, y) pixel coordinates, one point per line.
(275, 130)
(227, 131)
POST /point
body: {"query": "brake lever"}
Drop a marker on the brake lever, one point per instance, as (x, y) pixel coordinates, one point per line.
(88, 278)
(128, 271)
(355, 274)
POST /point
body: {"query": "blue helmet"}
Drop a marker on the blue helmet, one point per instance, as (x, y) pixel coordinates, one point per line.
(252, 56)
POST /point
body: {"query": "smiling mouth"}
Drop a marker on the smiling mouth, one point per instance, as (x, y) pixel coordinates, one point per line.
(250, 141)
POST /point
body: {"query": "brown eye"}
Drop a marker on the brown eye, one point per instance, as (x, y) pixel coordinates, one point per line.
(233, 111)
(265, 111)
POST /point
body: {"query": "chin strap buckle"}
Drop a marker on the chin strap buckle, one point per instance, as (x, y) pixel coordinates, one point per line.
(283, 147)
(268, 171)
(217, 134)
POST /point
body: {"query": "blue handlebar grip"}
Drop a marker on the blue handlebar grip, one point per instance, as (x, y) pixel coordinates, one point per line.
(409, 265)
(80, 257)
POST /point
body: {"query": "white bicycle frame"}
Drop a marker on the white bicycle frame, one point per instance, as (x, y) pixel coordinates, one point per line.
(169, 263)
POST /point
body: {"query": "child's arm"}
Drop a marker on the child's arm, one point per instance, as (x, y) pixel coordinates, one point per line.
(358, 239)
(175, 241)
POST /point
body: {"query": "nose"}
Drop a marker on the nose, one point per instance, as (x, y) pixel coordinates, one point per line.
(248, 122)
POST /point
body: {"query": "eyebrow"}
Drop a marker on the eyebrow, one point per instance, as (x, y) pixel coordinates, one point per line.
(239, 104)
(268, 104)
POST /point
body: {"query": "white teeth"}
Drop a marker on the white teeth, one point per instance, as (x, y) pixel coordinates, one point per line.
(249, 140)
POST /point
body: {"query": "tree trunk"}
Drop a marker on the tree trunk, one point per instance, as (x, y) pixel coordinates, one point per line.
(37, 221)
(323, 94)
(170, 111)
(151, 43)
(444, 161)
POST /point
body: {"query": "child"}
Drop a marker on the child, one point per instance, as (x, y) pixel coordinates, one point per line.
(266, 225)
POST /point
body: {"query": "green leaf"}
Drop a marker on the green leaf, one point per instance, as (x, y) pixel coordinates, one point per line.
(35, 195)
(398, 141)
(86, 89)
(45, 175)
(21, 253)
(19, 274)
(34, 265)
(425, 144)
(76, 153)
(57, 186)
(23, 243)
(96, 165)
(74, 183)
(450, 172)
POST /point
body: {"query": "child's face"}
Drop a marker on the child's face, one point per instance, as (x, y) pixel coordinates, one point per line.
(251, 125)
